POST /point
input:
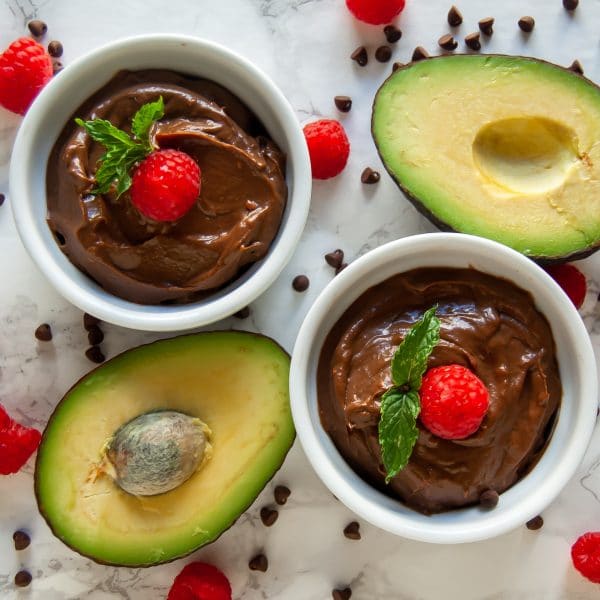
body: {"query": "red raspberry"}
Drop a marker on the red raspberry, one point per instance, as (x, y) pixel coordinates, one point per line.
(453, 402)
(17, 443)
(571, 280)
(200, 581)
(328, 147)
(375, 12)
(25, 68)
(585, 553)
(166, 185)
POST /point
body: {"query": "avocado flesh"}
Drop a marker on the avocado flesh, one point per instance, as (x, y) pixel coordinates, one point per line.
(237, 383)
(502, 147)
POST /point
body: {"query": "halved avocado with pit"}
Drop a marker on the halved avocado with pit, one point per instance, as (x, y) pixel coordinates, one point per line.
(231, 387)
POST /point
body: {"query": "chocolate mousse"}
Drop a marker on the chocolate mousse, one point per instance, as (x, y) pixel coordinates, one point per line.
(488, 325)
(232, 224)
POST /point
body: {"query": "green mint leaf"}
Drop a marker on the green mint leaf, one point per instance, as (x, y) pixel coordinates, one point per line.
(145, 117)
(398, 431)
(105, 133)
(410, 359)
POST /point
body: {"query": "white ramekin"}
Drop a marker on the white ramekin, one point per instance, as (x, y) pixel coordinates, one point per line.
(577, 366)
(55, 105)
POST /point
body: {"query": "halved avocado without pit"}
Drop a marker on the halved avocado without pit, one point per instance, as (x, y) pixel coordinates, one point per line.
(504, 147)
(158, 451)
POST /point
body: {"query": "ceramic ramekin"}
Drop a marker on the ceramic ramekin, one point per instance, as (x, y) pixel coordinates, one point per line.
(55, 105)
(577, 366)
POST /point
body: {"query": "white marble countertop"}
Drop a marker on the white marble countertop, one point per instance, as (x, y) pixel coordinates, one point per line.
(304, 46)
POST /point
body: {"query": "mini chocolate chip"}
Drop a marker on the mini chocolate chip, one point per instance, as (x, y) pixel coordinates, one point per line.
(351, 531)
(335, 259)
(419, 53)
(360, 56)
(535, 523)
(43, 332)
(95, 335)
(447, 42)
(489, 499)
(55, 49)
(23, 578)
(90, 321)
(472, 40)
(243, 313)
(268, 516)
(21, 540)
(527, 24)
(392, 34)
(343, 103)
(570, 4)
(60, 238)
(486, 25)
(396, 66)
(38, 28)
(344, 594)
(57, 67)
(259, 563)
(369, 176)
(300, 283)
(383, 54)
(2, 199)
(341, 268)
(94, 353)
(576, 67)
(281, 494)
(455, 17)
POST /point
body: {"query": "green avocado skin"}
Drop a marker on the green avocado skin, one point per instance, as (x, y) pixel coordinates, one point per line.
(427, 206)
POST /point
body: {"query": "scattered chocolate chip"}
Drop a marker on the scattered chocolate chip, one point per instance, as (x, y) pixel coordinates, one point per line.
(360, 56)
(344, 594)
(527, 24)
(57, 67)
(94, 353)
(472, 40)
(351, 531)
(335, 259)
(392, 34)
(43, 332)
(2, 199)
(300, 283)
(95, 335)
(576, 67)
(281, 494)
(55, 49)
(21, 540)
(90, 321)
(268, 516)
(535, 523)
(486, 26)
(570, 4)
(243, 313)
(341, 268)
(455, 17)
(60, 238)
(343, 103)
(447, 42)
(23, 578)
(383, 54)
(369, 176)
(489, 499)
(259, 563)
(37, 28)
(396, 66)
(419, 54)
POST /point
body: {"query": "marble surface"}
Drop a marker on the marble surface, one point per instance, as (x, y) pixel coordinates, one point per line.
(304, 46)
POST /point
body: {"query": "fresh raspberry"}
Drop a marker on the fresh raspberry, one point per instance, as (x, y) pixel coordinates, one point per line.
(166, 185)
(571, 280)
(17, 443)
(453, 402)
(585, 554)
(328, 147)
(375, 12)
(200, 581)
(25, 68)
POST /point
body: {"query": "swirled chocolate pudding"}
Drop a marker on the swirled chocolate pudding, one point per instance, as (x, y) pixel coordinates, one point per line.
(488, 325)
(231, 225)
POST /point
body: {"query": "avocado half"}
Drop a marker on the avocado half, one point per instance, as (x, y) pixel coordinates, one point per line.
(503, 147)
(231, 387)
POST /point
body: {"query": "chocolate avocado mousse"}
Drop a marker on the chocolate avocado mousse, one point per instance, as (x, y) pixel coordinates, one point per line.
(488, 325)
(232, 224)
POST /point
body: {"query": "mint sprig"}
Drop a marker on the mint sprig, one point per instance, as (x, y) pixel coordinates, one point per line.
(400, 405)
(123, 152)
